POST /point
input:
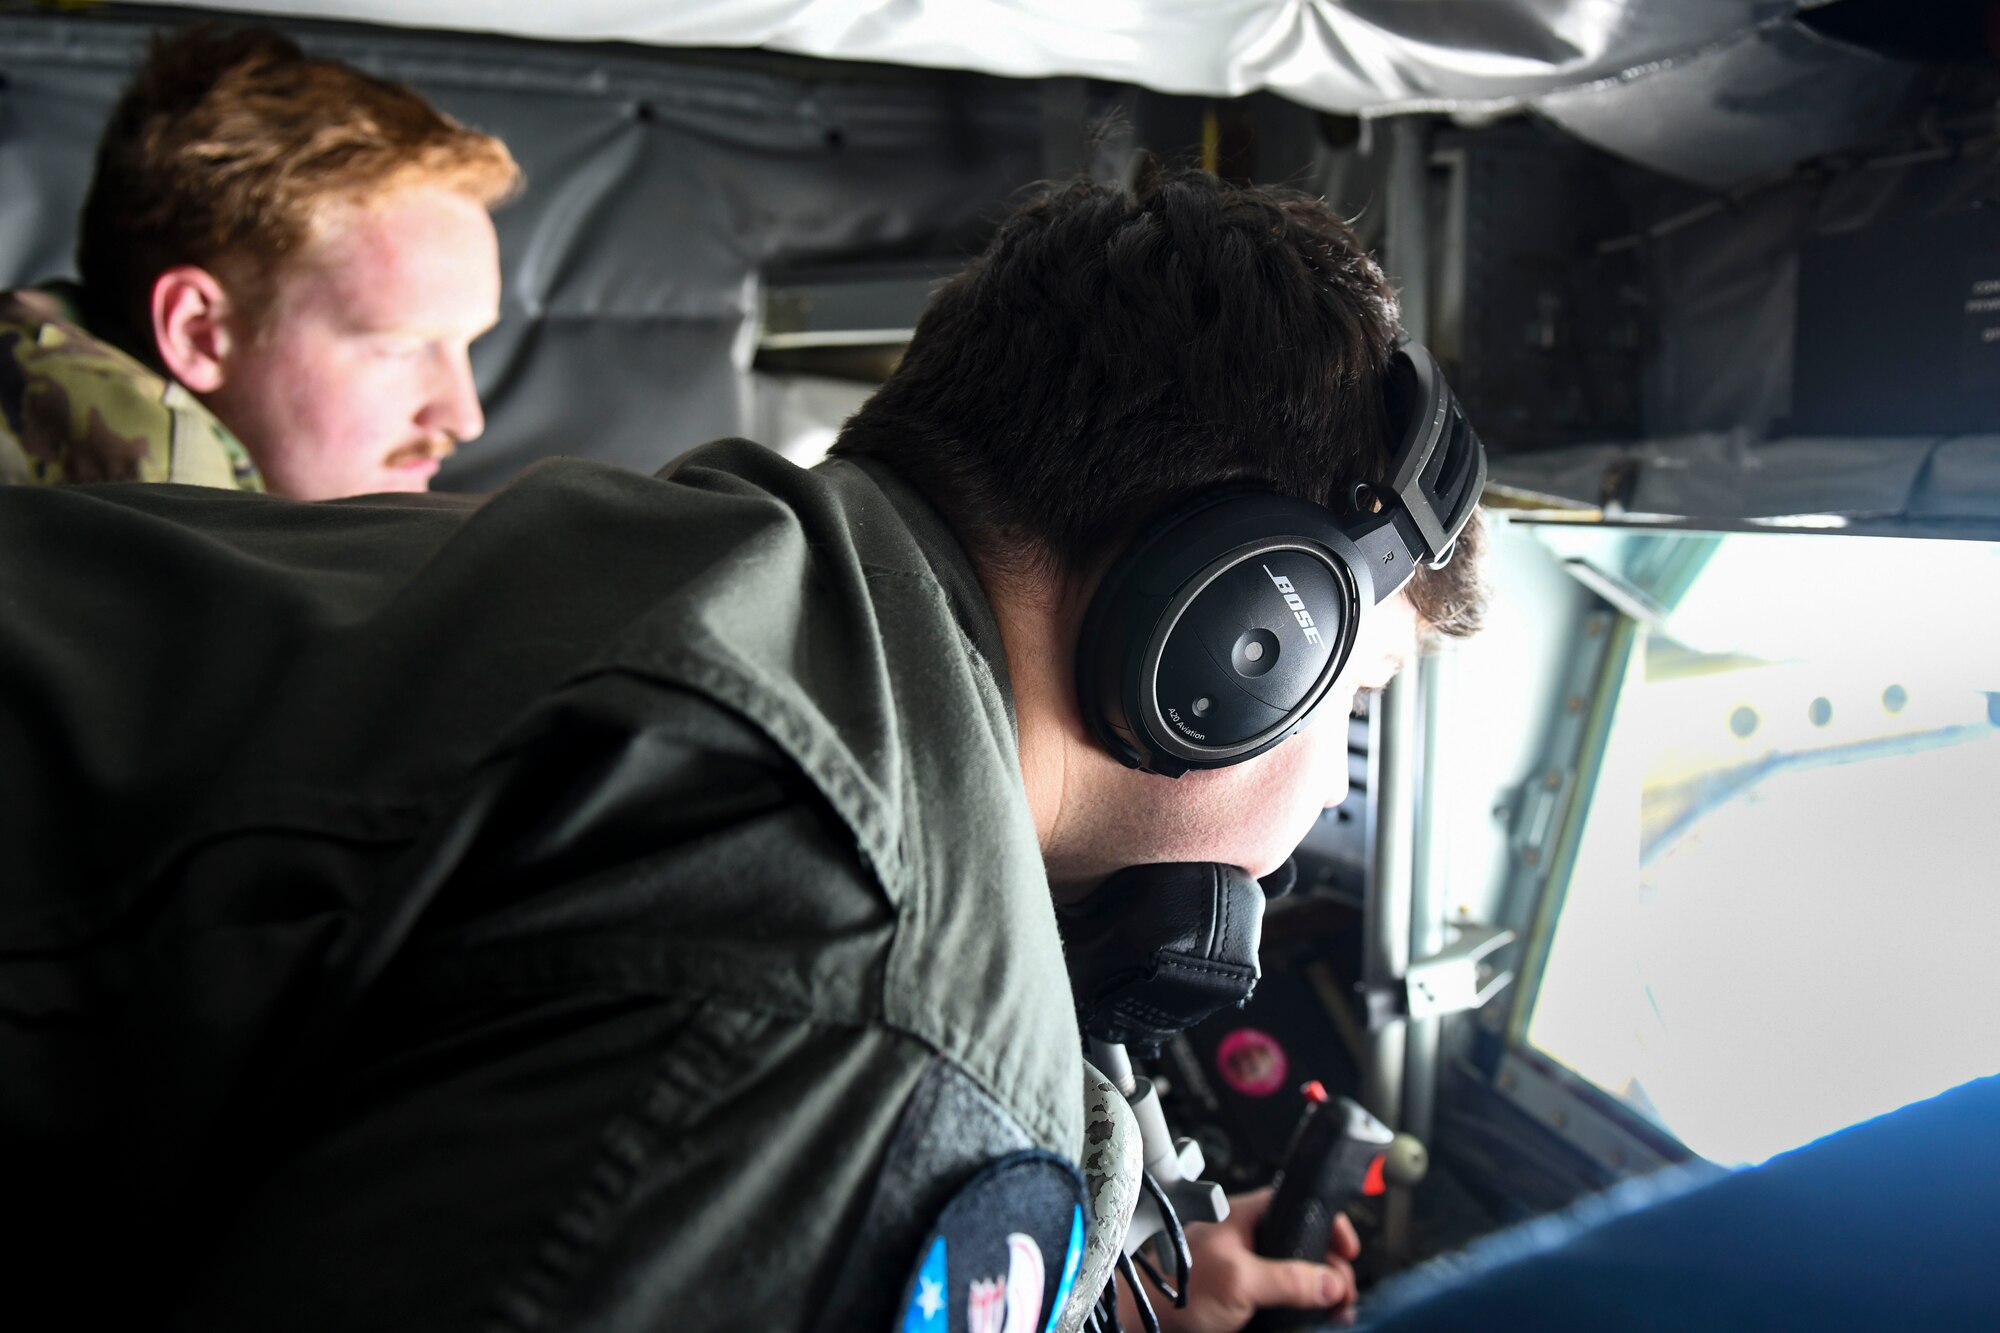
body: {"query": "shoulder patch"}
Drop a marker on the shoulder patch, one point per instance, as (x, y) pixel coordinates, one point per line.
(1004, 1254)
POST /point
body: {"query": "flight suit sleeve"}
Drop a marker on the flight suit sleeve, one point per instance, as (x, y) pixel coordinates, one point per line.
(628, 1070)
(13, 463)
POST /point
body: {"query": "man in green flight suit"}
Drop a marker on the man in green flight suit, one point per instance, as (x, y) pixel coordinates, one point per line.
(626, 902)
(284, 261)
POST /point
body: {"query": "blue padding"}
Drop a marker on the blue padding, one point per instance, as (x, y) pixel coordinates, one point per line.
(1893, 1224)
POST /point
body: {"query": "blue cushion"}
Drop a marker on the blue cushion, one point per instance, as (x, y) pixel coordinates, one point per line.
(1891, 1224)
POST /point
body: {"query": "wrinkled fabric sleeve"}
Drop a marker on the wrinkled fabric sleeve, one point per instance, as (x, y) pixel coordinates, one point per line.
(13, 463)
(625, 1070)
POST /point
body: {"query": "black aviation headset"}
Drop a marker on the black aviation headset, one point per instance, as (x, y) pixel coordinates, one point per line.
(1222, 627)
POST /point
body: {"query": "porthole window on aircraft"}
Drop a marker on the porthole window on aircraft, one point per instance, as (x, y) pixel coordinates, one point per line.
(1781, 912)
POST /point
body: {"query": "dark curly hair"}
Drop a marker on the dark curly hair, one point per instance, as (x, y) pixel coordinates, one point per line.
(1115, 350)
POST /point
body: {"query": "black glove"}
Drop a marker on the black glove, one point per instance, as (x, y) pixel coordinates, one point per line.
(1157, 948)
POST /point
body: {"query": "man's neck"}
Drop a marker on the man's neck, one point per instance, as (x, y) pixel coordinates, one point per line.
(1058, 761)
(1030, 631)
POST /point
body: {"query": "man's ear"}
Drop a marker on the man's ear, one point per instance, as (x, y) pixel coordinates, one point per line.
(192, 327)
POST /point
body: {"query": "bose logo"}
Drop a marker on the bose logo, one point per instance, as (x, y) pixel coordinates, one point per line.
(1293, 600)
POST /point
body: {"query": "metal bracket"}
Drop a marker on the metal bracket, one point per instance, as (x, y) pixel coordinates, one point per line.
(1618, 590)
(1453, 981)
(1176, 1164)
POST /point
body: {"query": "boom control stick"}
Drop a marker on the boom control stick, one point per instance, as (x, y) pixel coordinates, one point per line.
(1339, 1153)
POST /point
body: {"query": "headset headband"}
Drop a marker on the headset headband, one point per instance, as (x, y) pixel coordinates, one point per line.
(1435, 477)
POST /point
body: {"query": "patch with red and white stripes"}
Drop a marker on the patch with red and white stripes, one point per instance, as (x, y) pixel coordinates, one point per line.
(1004, 1254)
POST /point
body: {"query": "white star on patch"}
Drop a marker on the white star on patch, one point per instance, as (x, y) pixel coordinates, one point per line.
(930, 1299)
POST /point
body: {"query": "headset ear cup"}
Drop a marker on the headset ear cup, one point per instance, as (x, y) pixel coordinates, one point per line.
(1218, 631)
(1190, 651)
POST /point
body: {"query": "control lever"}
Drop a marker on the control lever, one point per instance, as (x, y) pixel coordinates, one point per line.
(1339, 1153)
(1175, 1164)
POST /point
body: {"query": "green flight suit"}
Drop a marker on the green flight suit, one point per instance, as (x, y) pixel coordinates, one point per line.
(73, 408)
(612, 903)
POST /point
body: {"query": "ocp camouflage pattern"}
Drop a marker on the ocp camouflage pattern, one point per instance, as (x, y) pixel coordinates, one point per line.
(74, 409)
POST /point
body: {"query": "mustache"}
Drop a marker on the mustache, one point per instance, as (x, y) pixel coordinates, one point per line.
(437, 445)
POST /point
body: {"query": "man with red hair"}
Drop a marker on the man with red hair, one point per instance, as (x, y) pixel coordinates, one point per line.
(284, 261)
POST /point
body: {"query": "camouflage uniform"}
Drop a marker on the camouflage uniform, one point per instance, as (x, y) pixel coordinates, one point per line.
(73, 408)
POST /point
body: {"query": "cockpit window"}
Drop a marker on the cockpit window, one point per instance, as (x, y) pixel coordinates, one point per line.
(1783, 913)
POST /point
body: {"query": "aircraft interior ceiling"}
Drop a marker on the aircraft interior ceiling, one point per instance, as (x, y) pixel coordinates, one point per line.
(1595, 60)
(1715, 91)
(1651, 214)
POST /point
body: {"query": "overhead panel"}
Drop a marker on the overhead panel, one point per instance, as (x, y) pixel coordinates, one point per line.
(1374, 56)
(1714, 92)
